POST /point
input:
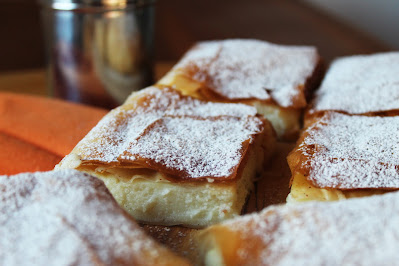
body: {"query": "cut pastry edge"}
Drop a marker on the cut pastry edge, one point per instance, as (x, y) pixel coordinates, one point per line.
(217, 248)
(303, 190)
(152, 199)
(223, 244)
(285, 121)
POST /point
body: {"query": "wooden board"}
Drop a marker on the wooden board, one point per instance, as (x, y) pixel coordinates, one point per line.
(271, 188)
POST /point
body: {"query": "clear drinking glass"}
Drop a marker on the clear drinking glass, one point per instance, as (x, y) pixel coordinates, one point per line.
(98, 51)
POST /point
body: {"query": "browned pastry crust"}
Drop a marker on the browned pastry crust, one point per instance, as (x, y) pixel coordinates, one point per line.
(277, 79)
(69, 218)
(170, 159)
(340, 156)
(356, 231)
(359, 85)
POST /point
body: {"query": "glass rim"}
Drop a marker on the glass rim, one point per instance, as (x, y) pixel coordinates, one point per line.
(94, 4)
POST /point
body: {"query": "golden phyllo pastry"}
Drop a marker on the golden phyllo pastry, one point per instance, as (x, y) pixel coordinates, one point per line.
(361, 231)
(342, 156)
(276, 79)
(359, 85)
(170, 159)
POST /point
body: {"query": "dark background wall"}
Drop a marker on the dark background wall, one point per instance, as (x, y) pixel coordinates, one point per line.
(180, 23)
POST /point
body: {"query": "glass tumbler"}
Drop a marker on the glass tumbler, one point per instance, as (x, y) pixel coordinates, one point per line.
(98, 51)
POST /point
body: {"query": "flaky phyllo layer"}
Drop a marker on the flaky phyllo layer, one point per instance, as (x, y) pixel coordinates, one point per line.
(179, 136)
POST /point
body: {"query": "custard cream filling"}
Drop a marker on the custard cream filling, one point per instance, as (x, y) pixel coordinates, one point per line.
(303, 190)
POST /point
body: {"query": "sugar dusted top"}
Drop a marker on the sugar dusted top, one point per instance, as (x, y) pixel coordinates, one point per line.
(361, 84)
(180, 136)
(351, 152)
(361, 231)
(195, 148)
(69, 218)
(252, 69)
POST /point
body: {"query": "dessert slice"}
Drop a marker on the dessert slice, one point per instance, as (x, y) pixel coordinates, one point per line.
(361, 231)
(361, 84)
(276, 79)
(69, 218)
(170, 159)
(342, 156)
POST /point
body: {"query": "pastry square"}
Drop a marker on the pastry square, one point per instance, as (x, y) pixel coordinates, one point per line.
(342, 156)
(361, 84)
(276, 79)
(69, 218)
(362, 231)
(169, 159)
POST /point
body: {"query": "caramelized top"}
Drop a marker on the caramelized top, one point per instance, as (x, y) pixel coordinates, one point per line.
(252, 69)
(183, 137)
(69, 218)
(361, 231)
(361, 84)
(349, 152)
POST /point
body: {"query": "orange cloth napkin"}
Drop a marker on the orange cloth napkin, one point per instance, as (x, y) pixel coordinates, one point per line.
(36, 132)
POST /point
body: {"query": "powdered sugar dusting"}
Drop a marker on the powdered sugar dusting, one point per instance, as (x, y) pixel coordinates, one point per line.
(243, 69)
(67, 218)
(199, 148)
(351, 152)
(361, 231)
(176, 132)
(361, 84)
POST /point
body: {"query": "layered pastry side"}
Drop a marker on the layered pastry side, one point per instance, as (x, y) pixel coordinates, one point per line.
(359, 85)
(69, 218)
(169, 159)
(276, 79)
(362, 231)
(343, 156)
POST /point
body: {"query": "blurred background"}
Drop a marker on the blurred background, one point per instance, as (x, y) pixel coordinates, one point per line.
(337, 27)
